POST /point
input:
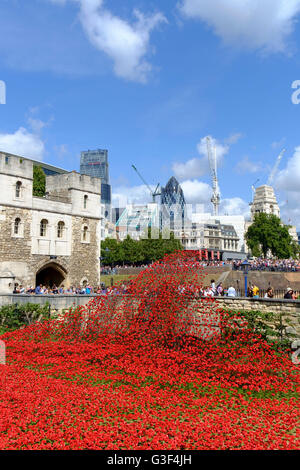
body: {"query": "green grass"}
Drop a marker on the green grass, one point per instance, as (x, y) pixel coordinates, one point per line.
(117, 278)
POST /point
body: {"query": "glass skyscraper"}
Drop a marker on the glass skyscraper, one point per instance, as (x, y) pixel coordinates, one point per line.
(172, 204)
(95, 163)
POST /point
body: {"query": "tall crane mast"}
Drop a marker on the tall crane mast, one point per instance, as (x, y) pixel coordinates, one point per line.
(153, 193)
(212, 158)
(275, 169)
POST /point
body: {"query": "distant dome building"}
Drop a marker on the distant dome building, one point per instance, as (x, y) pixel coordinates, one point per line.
(264, 201)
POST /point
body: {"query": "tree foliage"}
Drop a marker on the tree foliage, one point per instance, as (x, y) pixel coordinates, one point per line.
(267, 235)
(146, 250)
(39, 181)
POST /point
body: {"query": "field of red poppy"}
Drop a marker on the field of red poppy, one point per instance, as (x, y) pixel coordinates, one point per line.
(129, 375)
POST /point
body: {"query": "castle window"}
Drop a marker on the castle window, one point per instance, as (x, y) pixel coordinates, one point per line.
(17, 225)
(60, 229)
(6, 159)
(18, 189)
(85, 200)
(85, 234)
(43, 227)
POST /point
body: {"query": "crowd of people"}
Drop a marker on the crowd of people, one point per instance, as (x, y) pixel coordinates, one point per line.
(213, 290)
(72, 290)
(110, 271)
(279, 265)
(253, 292)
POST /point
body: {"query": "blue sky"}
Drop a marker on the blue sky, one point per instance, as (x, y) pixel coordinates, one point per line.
(148, 81)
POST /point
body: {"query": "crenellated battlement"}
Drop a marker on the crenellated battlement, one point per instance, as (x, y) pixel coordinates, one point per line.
(72, 181)
(14, 165)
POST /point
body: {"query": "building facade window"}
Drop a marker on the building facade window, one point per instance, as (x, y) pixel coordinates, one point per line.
(17, 226)
(85, 235)
(43, 227)
(85, 202)
(18, 189)
(60, 229)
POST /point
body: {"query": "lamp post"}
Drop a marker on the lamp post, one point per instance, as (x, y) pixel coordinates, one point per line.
(245, 268)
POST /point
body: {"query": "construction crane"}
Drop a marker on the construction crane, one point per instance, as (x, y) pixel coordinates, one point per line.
(212, 158)
(275, 169)
(153, 193)
(253, 188)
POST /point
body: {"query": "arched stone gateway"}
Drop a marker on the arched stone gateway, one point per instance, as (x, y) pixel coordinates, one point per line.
(51, 274)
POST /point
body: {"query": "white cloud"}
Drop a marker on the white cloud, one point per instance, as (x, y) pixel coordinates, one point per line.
(221, 149)
(235, 206)
(196, 192)
(287, 183)
(36, 124)
(247, 166)
(289, 178)
(255, 24)
(290, 210)
(127, 44)
(23, 143)
(234, 138)
(124, 195)
(191, 169)
(197, 167)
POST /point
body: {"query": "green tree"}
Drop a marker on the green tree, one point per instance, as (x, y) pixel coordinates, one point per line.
(268, 234)
(111, 252)
(39, 181)
(131, 251)
(145, 250)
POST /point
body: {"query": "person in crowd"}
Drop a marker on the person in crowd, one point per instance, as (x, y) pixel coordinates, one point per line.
(231, 292)
(289, 293)
(270, 293)
(88, 290)
(213, 286)
(38, 289)
(220, 289)
(55, 289)
(255, 291)
(16, 289)
(249, 292)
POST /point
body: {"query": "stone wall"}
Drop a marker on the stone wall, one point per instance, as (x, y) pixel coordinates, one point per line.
(287, 312)
(286, 318)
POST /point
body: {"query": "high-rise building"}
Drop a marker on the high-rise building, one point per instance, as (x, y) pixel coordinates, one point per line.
(172, 204)
(95, 163)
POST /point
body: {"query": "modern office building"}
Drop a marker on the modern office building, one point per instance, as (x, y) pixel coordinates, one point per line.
(95, 163)
(136, 219)
(172, 211)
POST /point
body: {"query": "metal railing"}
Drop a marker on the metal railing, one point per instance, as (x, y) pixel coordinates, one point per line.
(278, 293)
